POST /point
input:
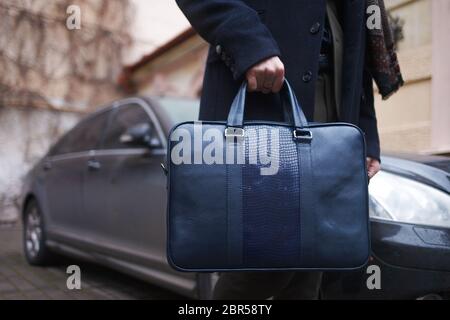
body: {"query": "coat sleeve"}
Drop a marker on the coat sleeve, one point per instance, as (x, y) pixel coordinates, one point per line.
(233, 29)
(368, 119)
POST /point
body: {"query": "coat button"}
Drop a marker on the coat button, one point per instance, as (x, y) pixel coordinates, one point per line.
(315, 28)
(307, 76)
(224, 56)
(218, 49)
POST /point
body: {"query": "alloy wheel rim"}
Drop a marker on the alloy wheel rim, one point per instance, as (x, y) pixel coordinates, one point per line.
(33, 233)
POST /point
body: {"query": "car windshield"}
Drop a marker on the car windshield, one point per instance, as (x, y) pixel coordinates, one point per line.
(180, 110)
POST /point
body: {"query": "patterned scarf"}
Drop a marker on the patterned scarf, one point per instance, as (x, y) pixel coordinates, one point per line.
(383, 62)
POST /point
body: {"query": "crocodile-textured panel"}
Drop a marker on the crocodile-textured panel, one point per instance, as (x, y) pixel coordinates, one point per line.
(271, 213)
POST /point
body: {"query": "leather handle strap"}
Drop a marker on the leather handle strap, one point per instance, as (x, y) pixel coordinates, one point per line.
(288, 98)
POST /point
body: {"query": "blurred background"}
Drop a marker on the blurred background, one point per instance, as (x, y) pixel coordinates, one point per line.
(51, 76)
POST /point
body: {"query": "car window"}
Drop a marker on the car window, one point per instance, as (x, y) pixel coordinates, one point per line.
(180, 110)
(84, 136)
(123, 119)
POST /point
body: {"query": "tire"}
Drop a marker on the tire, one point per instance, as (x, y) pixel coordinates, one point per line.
(205, 285)
(431, 296)
(34, 237)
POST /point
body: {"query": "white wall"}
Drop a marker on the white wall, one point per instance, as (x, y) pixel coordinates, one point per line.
(156, 22)
(24, 138)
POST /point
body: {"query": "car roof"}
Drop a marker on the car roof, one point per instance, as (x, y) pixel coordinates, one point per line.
(428, 169)
(431, 170)
(173, 110)
(169, 110)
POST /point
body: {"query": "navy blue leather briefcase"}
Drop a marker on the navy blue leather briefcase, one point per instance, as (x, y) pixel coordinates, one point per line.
(265, 195)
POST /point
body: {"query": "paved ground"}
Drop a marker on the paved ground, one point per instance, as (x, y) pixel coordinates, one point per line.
(18, 280)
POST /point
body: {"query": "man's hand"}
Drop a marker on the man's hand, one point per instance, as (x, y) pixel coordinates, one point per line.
(373, 166)
(266, 76)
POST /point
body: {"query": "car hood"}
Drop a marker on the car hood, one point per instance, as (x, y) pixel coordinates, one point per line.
(433, 171)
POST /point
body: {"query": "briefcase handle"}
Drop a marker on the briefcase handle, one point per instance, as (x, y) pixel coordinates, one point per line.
(236, 114)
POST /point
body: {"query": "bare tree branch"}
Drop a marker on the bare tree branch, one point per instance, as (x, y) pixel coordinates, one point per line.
(43, 60)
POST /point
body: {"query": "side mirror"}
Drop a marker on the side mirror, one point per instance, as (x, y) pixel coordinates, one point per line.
(140, 135)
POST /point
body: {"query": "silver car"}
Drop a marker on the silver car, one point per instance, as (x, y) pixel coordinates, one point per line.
(100, 193)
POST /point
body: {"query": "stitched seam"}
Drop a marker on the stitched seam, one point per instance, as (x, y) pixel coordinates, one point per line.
(300, 198)
(228, 212)
(312, 199)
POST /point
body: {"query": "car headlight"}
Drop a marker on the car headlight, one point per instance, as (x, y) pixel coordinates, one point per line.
(396, 198)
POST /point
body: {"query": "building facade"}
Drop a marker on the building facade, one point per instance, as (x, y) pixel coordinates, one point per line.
(52, 74)
(416, 119)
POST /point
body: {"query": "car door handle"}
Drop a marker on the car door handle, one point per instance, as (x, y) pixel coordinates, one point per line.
(93, 165)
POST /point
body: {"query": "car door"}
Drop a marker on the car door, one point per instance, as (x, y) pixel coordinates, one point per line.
(63, 177)
(125, 198)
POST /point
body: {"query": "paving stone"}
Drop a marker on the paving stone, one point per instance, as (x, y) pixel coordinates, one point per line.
(58, 294)
(13, 296)
(6, 271)
(90, 294)
(20, 281)
(6, 287)
(101, 294)
(37, 282)
(21, 284)
(35, 295)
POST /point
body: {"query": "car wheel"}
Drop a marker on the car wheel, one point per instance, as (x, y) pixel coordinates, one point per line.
(205, 285)
(34, 246)
(431, 296)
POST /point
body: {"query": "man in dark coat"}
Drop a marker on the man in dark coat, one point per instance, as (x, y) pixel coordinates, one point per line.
(263, 41)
